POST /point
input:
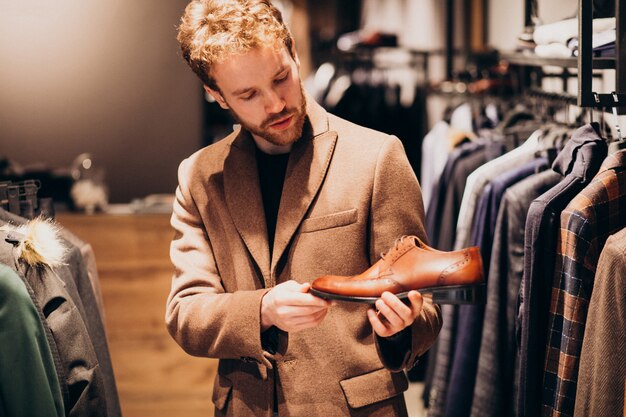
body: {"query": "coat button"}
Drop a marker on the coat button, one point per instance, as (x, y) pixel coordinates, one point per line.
(14, 238)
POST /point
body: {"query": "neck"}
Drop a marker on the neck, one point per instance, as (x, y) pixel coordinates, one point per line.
(271, 148)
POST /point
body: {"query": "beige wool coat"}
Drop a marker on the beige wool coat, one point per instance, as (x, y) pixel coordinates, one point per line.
(349, 192)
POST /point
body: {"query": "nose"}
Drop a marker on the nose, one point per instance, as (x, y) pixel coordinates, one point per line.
(274, 103)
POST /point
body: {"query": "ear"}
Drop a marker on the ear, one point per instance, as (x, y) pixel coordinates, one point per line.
(217, 96)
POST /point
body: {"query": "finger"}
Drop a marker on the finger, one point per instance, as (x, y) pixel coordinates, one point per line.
(417, 303)
(291, 284)
(379, 328)
(307, 299)
(311, 301)
(304, 288)
(306, 321)
(390, 315)
(405, 312)
(319, 316)
(290, 295)
(298, 311)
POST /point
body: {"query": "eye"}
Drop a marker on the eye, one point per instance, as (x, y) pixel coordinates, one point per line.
(249, 96)
(281, 79)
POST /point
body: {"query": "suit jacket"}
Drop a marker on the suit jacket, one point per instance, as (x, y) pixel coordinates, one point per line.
(478, 179)
(471, 317)
(349, 192)
(600, 389)
(496, 376)
(472, 156)
(578, 162)
(586, 223)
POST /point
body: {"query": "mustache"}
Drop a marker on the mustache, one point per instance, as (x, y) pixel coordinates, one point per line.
(278, 116)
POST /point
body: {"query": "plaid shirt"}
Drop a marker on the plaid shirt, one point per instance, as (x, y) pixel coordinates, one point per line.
(598, 211)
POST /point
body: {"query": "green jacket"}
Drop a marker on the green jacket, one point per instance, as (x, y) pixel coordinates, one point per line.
(28, 380)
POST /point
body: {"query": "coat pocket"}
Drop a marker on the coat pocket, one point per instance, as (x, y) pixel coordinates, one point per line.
(373, 387)
(221, 391)
(342, 218)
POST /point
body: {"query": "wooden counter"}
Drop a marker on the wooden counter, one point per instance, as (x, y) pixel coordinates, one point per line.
(154, 376)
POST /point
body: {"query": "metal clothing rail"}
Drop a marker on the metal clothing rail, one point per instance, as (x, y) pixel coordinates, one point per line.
(586, 96)
(559, 97)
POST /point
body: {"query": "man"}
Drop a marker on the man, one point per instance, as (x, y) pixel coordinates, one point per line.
(294, 194)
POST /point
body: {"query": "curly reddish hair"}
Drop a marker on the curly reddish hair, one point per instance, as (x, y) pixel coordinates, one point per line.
(211, 30)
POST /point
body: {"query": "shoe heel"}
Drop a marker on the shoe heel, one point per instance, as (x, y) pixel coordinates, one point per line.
(470, 294)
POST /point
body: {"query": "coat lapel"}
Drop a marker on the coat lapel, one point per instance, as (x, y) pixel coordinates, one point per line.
(308, 163)
(243, 198)
(307, 167)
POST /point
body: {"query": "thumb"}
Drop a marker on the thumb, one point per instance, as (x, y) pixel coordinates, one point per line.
(304, 288)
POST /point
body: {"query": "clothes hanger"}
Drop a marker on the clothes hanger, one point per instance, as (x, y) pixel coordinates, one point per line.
(620, 143)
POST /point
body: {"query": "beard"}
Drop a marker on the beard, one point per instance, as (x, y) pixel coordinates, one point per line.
(285, 137)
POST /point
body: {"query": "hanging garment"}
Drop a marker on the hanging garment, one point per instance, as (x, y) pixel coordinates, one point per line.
(446, 343)
(484, 224)
(471, 317)
(77, 282)
(495, 380)
(29, 385)
(578, 162)
(81, 379)
(379, 107)
(463, 161)
(598, 211)
(89, 259)
(435, 151)
(441, 196)
(600, 389)
(478, 179)
(454, 192)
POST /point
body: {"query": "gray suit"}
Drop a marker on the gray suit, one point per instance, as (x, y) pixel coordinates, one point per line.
(495, 389)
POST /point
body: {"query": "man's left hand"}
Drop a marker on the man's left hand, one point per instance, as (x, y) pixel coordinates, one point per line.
(392, 315)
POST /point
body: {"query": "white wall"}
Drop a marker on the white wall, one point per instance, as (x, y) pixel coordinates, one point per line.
(99, 76)
(555, 10)
(505, 23)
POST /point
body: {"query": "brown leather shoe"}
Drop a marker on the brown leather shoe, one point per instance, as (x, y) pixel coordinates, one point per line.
(451, 277)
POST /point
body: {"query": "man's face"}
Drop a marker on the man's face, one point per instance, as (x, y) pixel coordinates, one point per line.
(262, 89)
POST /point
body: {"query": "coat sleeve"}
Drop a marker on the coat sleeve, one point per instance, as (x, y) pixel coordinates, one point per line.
(397, 209)
(202, 318)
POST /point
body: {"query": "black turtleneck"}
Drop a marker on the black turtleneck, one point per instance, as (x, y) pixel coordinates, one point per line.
(272, 170)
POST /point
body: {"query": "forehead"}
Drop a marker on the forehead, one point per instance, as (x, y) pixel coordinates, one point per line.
(250, 69)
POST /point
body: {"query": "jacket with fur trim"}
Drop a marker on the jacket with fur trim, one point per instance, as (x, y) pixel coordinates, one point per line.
(34, 251)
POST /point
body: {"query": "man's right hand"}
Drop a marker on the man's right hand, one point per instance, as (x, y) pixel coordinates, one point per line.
(290, 307)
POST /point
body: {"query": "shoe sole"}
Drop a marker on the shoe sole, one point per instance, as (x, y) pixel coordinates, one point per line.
(457, 294)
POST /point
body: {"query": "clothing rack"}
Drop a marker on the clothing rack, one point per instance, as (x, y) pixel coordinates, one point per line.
(20, 197)
(585, 62)
(586, 97)
(559, 97)
(364, 57)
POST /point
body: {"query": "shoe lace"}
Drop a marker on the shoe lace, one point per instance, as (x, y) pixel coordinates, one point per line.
(397, 247)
